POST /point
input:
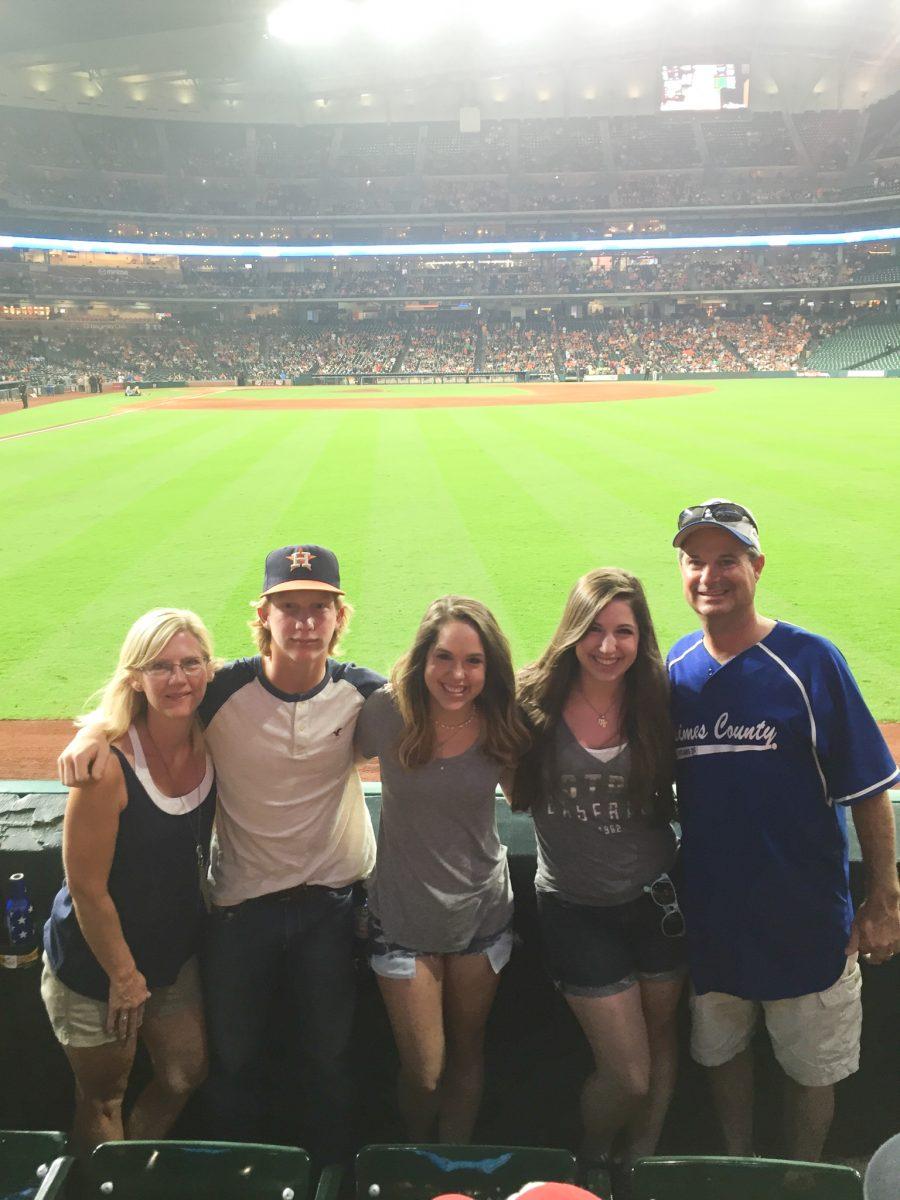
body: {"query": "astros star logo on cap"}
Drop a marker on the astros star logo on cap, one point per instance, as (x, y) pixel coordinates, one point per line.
(301, 558)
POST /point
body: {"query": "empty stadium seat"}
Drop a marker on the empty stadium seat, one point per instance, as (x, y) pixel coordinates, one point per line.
(702, 1178)
(33, 1166)
(482, 1172)
(224, 1170)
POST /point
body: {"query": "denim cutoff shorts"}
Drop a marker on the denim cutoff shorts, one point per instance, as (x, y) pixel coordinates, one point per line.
(392, 961)
(598, 950)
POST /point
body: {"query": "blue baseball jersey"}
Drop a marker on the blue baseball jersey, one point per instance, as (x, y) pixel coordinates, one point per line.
(771, 747)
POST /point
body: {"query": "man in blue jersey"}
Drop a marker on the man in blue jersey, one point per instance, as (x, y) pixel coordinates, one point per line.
(774, 744)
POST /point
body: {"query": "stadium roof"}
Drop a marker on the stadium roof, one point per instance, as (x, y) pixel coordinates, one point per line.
(214, 60)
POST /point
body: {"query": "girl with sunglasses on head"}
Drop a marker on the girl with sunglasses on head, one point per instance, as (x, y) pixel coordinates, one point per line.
(123, 930)
(598, 783)
(446, 730)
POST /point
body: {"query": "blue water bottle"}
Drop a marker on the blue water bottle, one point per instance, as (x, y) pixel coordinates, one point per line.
(20, 924)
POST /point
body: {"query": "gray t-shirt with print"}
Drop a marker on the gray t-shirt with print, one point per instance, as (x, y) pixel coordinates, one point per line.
(594, 846)
(441, 878)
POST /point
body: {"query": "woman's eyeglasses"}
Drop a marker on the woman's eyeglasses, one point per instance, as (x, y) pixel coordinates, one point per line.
(165, 670)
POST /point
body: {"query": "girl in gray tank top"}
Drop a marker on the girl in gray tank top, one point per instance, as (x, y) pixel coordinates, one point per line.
(445, 731)
(598, 783)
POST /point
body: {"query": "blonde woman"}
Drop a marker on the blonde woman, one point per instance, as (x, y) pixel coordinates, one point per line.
(121, 939)
(598, 783)
(445, 731)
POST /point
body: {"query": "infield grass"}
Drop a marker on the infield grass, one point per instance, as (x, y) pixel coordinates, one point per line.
(103, 519)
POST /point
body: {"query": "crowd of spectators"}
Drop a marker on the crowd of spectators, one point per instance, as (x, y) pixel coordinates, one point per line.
(420, 276)
(371, 349)
(441, 348)
(422, 195)
(518, 347)
(275, 350)
(556, 165)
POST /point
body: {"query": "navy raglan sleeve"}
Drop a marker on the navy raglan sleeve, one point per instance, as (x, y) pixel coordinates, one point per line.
(227, 680)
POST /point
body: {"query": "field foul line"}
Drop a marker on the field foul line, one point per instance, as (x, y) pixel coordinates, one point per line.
(119, 412)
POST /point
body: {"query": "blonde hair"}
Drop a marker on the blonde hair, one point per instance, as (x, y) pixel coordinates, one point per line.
(505, 736)
(119, 703)
(544, 687)
(262, 635)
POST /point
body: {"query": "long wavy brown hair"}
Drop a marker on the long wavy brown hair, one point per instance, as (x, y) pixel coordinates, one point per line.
(544, 687)
(505, 736)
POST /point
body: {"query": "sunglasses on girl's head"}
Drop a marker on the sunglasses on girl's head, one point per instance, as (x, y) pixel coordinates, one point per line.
(718, 512)
(662, 892)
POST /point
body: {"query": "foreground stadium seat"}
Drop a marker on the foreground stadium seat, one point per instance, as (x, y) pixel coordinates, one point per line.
(701, 1178)
(33, 1166)
(481, 1172)
(196, 1170)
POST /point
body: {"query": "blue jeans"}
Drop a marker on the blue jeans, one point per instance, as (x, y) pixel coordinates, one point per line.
(297, 949)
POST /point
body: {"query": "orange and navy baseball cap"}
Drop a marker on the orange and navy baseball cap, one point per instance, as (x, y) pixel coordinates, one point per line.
(301, 567)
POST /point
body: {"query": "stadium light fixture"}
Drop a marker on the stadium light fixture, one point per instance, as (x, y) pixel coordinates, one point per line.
(308, 23)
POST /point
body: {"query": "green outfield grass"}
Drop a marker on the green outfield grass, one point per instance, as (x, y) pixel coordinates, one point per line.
(103, 519)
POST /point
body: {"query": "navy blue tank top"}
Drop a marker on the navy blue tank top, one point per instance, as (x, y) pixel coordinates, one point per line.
(154, 883)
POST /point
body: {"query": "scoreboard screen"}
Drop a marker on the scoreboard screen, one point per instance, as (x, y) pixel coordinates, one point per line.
(705, 87)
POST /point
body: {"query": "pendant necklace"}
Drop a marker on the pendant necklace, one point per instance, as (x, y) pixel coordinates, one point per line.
(439, 745)
(601, 716)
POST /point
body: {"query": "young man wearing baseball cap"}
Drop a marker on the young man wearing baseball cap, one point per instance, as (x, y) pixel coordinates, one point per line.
(292, 836)
(774, 743)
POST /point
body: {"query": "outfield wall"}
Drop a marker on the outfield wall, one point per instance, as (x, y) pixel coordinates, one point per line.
(361, 379)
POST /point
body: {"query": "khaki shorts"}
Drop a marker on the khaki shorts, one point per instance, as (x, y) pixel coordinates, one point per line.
(815, 1037)
(80, 1021)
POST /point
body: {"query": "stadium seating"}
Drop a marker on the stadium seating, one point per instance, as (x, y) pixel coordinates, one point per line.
(482, 1172)
(857, 344)
(32, 1165)
(278, 349)
(141, 1170)
(741, 1179)
(654, 142)
(110, 164)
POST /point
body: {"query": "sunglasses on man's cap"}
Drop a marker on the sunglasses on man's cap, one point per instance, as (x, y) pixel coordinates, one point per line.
(722, 514)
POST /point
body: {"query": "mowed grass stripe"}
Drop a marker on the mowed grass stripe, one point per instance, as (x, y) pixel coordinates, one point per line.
(812, 530)
(415, 543)
(528, 512)
(508, 504)
(176, 541)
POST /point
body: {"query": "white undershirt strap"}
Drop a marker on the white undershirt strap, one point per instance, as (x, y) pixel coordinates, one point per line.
(174, 805)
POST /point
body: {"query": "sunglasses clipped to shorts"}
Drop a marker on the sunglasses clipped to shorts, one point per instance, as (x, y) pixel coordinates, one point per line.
(723, 511)
(662, 892)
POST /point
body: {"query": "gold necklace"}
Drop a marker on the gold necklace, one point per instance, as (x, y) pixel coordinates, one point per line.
(601, 716)
(442, 742)
(461, 725)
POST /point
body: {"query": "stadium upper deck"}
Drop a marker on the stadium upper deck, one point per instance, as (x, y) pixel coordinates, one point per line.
(55, 163)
